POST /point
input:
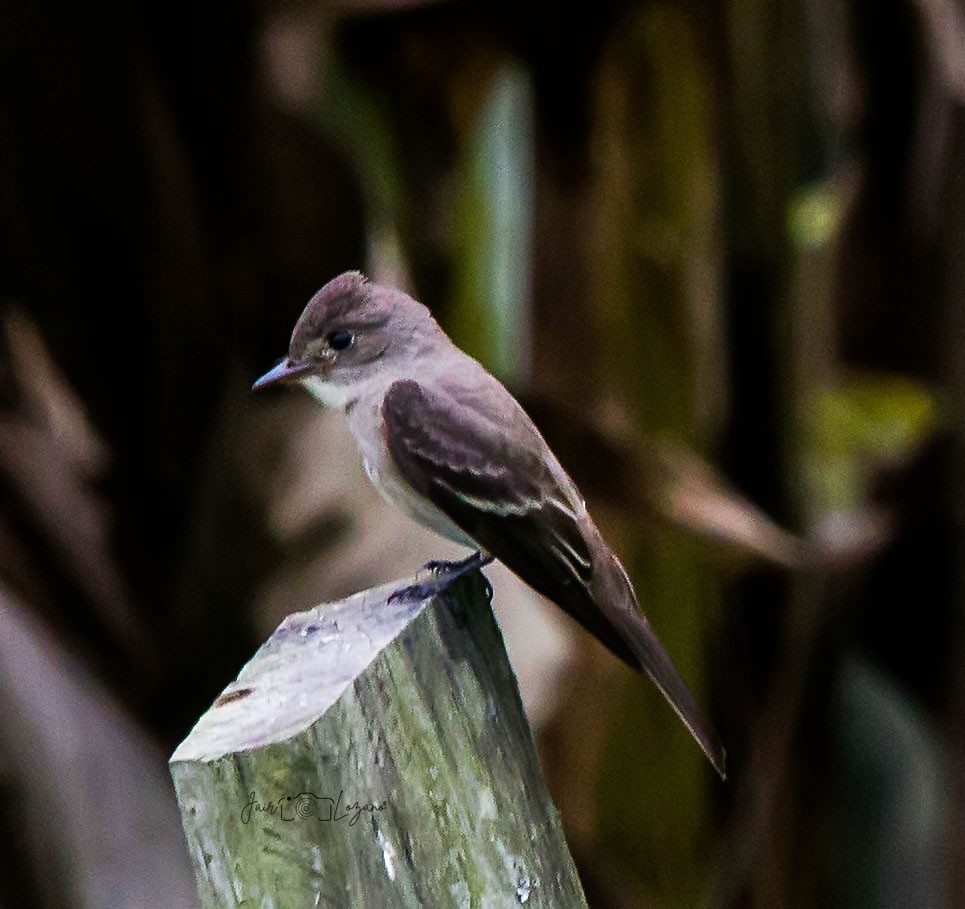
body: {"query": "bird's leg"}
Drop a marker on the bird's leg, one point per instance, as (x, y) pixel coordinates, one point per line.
(451, 571)
(443, 574)
(457, 569)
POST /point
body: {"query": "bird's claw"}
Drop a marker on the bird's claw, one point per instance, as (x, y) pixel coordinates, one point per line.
(458, 568)
(443, 574)
(438, 566)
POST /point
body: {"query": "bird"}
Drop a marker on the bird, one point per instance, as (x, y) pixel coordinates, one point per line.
(443, 440)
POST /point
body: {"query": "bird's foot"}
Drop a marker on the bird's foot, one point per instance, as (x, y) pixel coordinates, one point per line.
(443, 574)
(453, 570)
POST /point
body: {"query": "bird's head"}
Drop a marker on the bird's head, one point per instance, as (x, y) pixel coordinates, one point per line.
(353, 333)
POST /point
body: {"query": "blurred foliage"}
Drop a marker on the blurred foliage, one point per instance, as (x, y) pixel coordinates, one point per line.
(865, 425)
(880, 418)
(491, 228)
(814, 217)
(653, 183)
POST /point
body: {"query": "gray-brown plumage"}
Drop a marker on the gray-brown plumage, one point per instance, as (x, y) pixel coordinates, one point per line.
(445, 441)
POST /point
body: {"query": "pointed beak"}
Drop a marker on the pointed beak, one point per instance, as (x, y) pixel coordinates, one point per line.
(284, 372)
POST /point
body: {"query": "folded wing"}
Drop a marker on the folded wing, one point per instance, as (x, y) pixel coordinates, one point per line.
(477, 457)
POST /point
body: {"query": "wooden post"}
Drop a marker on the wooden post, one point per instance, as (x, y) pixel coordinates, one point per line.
(374, 752)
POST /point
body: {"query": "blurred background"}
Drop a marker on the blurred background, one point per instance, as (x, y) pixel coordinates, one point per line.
(717, 248)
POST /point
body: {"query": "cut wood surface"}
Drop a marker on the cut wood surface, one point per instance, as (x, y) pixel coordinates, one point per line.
(374, 752)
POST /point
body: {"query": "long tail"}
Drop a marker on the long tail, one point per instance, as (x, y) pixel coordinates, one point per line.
(613, 595)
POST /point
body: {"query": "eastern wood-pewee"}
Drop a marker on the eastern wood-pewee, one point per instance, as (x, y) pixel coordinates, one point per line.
(444, 441)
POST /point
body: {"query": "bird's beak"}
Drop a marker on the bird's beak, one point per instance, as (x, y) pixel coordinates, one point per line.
(284, 372)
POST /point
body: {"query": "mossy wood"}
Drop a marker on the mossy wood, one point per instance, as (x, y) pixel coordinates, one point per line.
(374, 752)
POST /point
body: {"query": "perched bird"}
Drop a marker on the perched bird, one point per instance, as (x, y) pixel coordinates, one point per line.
(444, 441)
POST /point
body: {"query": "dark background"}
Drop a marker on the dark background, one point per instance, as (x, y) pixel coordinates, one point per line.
(685, 232)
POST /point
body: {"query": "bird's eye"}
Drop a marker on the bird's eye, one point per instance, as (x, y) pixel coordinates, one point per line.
(340, 339)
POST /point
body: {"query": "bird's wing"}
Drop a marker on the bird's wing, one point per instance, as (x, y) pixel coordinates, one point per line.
(496, 483)
(477, 457)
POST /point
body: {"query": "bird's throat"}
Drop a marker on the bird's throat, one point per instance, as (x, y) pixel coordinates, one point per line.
(337, 397)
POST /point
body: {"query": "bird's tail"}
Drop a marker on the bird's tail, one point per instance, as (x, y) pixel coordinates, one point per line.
(614, 596)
